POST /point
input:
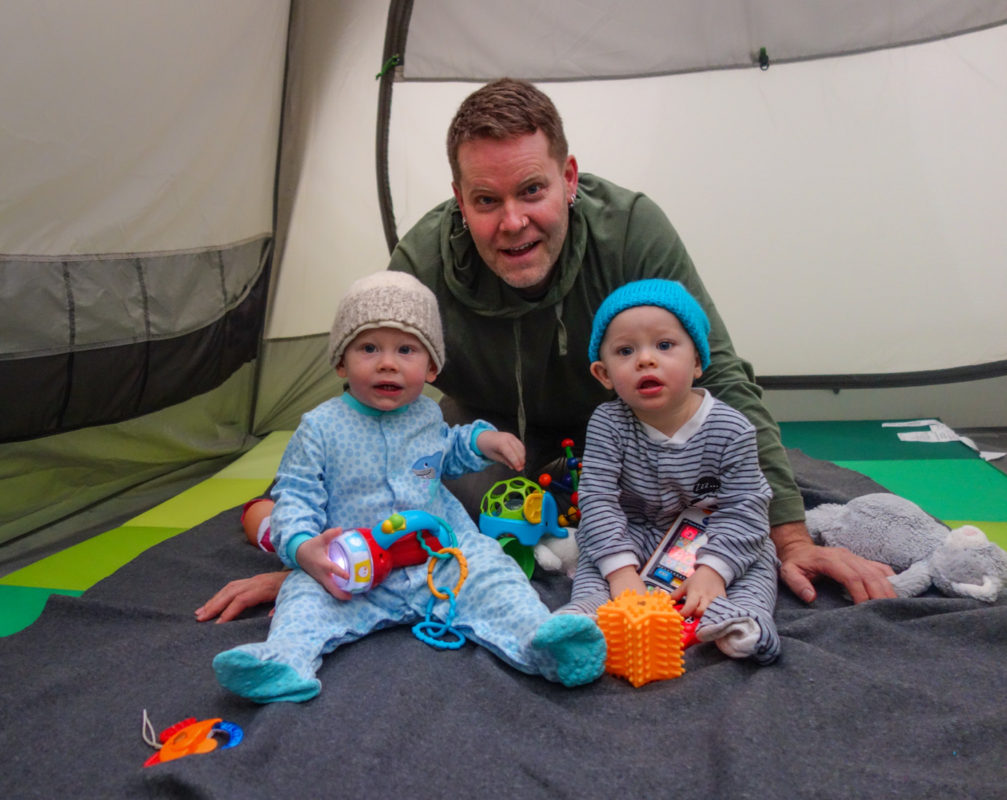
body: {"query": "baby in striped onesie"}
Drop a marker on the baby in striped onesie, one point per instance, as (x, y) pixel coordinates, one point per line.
(664, 445)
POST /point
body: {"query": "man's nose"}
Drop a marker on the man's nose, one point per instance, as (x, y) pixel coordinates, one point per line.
(513, 219)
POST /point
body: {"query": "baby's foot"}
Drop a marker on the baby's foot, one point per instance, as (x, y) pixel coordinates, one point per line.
(262, 681)
(742, 637)
(577, 645)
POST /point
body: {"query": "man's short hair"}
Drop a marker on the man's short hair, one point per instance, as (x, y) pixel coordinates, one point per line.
(503, 109)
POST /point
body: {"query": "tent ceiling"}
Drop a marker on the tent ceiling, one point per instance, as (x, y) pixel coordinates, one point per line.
(481, 39)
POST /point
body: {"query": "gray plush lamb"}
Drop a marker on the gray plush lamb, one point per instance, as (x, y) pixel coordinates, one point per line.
(888, 528)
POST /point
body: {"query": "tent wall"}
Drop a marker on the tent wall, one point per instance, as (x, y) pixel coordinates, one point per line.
(139, 149)
(101, 339)
(329, 222)
(843, 211)
(836, 208)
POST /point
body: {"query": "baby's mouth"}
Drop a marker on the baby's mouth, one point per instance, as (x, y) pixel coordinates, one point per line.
(649, 385)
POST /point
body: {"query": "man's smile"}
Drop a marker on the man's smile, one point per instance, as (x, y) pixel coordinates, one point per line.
(520, 250)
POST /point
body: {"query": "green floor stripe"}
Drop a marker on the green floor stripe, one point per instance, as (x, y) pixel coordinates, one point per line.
(23, 593)
(81, 566)
(947, 489)
(996, 532)
(202, 501)
(865, 440)
(261, 461)
(20, 606)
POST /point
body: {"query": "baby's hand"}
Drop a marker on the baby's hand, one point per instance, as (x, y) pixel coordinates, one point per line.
(699, 589)
(505, 448)
(625, 578)
(313, 558)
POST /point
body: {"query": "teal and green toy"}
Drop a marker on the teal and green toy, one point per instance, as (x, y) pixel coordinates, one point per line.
(522, 509)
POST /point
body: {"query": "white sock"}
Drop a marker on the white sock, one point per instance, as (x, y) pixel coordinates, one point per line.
(736, 638)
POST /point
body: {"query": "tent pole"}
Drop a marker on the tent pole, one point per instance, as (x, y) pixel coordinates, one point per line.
(399, 12)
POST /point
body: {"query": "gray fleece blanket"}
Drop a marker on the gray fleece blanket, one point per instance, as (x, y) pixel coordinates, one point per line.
(895, 699)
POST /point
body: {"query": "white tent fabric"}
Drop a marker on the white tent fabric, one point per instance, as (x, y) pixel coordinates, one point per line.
(464, 40)
(844, 211)
(136, 127)
(837, 208)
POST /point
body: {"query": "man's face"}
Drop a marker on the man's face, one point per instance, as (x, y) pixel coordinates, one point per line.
(515, 197)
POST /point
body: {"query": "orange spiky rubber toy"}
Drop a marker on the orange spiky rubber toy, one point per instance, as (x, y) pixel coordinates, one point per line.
(643, 633)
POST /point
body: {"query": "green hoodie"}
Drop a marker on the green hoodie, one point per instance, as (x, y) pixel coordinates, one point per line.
(527, 359)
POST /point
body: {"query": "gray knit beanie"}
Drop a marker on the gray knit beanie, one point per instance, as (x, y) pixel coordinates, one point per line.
(388, 299)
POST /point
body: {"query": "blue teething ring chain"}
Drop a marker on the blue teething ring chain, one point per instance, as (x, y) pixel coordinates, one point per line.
(430, 631)
(437, 630)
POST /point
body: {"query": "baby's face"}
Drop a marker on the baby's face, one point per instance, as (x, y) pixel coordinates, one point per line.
(648, 359)
(386, 368)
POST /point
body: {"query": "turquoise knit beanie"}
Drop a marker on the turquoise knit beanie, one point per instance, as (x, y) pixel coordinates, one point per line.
(669, 295)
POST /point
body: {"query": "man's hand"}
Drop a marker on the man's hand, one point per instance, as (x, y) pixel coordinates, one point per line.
(504, 448)
(802, 561)
(625, 578)
(237, 596)
(699, 590)
(313, 558)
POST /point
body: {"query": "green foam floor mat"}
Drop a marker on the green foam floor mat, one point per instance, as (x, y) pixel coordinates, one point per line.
(80, 566)
(201, 502)
(996, 532)
(20, 606)
(947, 479)
(947, 489)
(865, 440)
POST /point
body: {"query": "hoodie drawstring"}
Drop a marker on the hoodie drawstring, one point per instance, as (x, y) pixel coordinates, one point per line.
(561, 328)
(521, 417)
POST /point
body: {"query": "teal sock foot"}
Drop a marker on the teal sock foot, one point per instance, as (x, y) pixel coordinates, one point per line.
(578, 646)
(262, 681)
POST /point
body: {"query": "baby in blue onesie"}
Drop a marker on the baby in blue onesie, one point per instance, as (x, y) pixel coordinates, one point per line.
(380, 448)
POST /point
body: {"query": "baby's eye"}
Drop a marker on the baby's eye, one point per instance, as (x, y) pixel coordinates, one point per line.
(625, 350)
(369, 348)
(406, 349)
(665, 345)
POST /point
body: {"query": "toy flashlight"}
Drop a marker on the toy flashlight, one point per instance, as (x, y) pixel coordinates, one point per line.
(367, 555)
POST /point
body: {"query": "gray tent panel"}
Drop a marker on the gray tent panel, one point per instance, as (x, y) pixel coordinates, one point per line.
(477, 41)
(98, 340)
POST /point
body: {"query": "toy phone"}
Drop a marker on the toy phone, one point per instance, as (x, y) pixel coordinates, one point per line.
(674, 559)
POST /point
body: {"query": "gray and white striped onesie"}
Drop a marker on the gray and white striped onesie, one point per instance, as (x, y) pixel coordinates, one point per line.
(635, 483)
